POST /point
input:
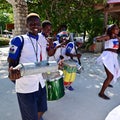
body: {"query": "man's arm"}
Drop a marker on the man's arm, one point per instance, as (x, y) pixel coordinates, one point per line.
(69, 53)
(13, 74)
(52, 47)
(13, 58)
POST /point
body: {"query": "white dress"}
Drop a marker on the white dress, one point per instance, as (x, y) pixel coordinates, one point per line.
(110, 59)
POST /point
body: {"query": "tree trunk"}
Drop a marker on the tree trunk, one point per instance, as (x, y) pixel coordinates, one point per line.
(20, 11)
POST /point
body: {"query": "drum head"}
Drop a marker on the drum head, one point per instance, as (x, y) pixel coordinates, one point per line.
(52, 76)
(70, 63)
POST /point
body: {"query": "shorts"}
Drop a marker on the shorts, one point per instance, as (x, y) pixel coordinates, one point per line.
(32, 103)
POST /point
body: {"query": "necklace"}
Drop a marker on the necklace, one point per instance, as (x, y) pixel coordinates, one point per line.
(35, 50)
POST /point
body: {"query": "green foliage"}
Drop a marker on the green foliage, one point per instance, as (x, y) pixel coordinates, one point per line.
(6, 14)
(4, 41)
(78, 15)
(74, 13)
(4, 5)
(5, 18)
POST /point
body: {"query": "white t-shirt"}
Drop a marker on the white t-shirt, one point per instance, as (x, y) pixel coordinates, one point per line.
(43, 42)
(28, 84)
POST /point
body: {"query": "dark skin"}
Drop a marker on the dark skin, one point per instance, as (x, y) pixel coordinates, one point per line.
(50, 47)
(47, 30)
(114, 34)
(33, 26)
(106, 83)
(64, 42)
(51, 50)
(13, 74)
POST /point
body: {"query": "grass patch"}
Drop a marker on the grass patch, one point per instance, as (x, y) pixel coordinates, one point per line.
(4, 41)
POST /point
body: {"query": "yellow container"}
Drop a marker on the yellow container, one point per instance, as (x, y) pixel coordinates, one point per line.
(69, 72)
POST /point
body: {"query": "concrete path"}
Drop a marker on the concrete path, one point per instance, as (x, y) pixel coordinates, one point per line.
(8, 102)
(81, 104)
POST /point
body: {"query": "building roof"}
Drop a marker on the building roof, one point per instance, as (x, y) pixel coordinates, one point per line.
(113, 1)
(112, 7)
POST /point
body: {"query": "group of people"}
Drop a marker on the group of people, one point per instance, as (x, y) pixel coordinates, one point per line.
(36, 46)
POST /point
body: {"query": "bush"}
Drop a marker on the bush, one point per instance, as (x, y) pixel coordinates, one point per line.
(4, 41)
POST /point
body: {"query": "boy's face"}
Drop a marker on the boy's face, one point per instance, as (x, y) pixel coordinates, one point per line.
(34, 25)
(63, 40)
(47, 30)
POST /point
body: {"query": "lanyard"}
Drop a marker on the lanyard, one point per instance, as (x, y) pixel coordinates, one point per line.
(47, 42)
(40, 52)
(35, 50)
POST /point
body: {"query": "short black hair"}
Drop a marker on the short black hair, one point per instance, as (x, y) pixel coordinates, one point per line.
(63, 26)
(32, 15)
(45, 23)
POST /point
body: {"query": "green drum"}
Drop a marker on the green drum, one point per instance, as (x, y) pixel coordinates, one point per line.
(55, 88)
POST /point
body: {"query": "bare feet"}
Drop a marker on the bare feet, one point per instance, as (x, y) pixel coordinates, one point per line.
(103, 96)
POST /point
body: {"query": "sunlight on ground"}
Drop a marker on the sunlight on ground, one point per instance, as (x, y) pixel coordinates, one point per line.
(110, 94)
(97, 86)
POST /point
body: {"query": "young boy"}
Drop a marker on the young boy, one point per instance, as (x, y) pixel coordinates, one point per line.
(31, 91)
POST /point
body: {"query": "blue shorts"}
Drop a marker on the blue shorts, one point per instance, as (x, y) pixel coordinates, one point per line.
(32, 103)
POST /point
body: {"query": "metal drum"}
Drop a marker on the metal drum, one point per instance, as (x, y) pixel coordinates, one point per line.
(36, 68)
(54, 85)
(69, 72)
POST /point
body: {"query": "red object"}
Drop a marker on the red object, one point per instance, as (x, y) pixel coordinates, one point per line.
(67, 83)
(9, 26)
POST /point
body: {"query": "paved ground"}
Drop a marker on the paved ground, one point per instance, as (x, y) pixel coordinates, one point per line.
(81, 104)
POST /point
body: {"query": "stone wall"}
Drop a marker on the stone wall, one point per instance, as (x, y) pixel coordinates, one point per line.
(20, 12)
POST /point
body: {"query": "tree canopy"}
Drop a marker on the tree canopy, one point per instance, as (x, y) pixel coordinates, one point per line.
(79, 15)
(6, 14)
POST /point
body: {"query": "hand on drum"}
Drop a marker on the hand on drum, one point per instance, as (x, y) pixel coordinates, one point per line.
(60, 64)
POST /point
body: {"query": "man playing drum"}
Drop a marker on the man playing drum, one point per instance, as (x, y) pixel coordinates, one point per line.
(71, 72)
(68, 52)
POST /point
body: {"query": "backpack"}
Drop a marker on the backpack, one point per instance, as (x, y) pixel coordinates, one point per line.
(20, 49)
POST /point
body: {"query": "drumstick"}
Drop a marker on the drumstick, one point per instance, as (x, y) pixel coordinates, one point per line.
(77, 53)
(74, 40)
